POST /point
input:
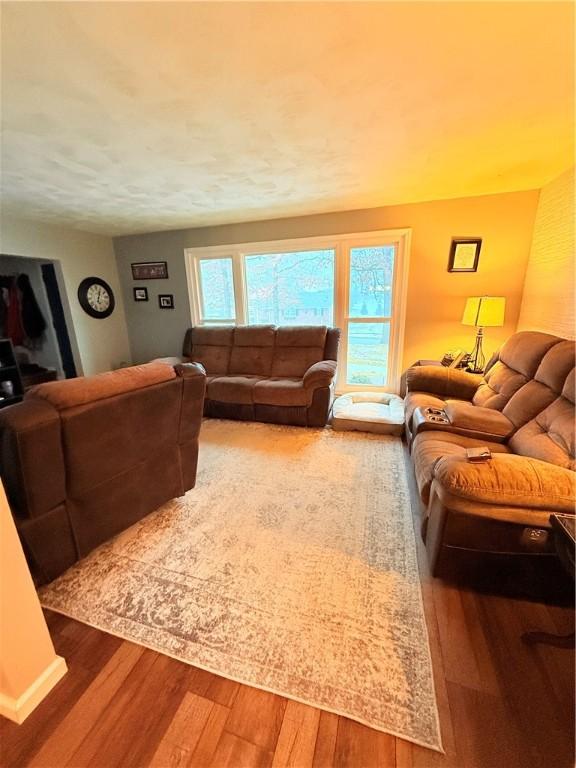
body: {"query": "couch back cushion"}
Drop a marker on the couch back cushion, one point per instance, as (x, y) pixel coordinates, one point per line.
(549, 436)
(88, 389)
(106, 438)
(518, 361)
(253, 350)
(297, 348)
(211, 346)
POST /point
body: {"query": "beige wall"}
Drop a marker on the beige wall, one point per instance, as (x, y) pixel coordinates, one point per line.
(548, 301)
(435, 297)
(29, 667)
(101, 344)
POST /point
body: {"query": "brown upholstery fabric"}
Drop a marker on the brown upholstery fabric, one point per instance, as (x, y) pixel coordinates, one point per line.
(332, 344)
(251, 361)
(297, 349)
(415, 400)
(301, 336)
(254, 335)
(88, 389)
(254, 372)
(31, 458)
(211, 346)
(78, 475)
(519, 359)
(509, 480)
(477, 419)
(233, 389)
(530, 386)
(320, 374)
(441, 381)
(281, 392)
(429, 447)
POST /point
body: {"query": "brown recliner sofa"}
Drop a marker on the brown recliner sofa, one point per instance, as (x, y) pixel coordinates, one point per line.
(283, 375)
(83, 459)
(522, 409)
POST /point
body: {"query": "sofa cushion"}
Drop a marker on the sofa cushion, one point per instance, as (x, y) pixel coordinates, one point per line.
(443, 382)
(429, 447)
(74, 392)
(516, 481)
(232, 389)
(278, 391)
(549, 436)
(519, 359)
(254, 335)
(297, 349)
(211, 346)
(252, 351)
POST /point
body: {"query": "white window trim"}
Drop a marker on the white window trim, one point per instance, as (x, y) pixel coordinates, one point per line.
(341, 244)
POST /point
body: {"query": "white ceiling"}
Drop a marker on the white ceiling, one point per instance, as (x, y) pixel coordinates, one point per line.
(133, 117)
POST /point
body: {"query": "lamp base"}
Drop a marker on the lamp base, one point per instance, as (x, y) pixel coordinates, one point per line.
(477, 359)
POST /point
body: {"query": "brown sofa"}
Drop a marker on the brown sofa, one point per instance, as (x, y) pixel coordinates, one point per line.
(266, 373)
(83, 459)
(522, 409)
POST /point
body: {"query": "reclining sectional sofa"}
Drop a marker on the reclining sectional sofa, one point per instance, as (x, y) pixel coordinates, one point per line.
(83, 459)
(522, 409)
(266, 373)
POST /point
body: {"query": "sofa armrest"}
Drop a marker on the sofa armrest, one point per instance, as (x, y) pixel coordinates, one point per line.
(446, 382)
(509, 480)
(190, 370)
(476, 421)
(320, 374)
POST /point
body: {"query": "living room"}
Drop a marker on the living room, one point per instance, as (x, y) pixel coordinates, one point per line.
(287, 370)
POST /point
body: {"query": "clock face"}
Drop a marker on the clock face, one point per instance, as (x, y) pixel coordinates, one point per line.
(96, 297)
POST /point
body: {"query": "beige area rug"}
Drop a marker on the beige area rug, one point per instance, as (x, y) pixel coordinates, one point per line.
(290, 567)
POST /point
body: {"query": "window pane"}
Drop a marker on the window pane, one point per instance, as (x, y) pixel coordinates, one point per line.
(368, 353)
(217, 285)
(291, 288)
(371, 275)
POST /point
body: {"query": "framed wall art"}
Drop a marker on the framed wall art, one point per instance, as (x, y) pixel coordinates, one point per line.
(140, 294)
(464, 254)
(149, 270)
(166, 301)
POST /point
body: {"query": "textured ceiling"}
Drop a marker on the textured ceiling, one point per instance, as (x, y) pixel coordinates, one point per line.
(133, 117)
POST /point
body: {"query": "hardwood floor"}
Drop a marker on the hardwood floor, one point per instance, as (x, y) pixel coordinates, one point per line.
(502, 703)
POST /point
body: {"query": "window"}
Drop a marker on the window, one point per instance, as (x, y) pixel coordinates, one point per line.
(294, 288)
(356, 282)
(216, 284)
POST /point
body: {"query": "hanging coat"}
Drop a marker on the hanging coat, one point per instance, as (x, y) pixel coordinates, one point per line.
(13, 325)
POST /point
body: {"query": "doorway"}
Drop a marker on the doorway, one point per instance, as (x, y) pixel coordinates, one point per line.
(33, 317)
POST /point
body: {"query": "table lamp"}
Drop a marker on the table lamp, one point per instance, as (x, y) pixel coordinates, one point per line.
(482, 312)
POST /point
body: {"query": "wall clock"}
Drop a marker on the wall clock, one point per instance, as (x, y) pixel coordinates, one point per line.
(96, 297)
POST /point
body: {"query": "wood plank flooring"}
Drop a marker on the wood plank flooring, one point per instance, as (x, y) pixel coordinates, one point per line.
(502, 704)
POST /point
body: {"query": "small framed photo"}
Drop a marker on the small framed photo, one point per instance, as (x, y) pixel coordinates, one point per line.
(149, 270)
(464, 254)
(140, 294)
(166, 301)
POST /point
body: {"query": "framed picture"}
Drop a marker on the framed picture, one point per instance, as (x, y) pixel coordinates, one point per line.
(149, 270)
(464, 254)
(140, 294)
(166, 301)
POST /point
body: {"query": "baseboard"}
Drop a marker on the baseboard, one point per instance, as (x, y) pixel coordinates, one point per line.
(18, 710)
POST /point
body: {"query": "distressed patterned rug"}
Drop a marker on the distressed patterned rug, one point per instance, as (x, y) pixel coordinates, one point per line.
(290, 567)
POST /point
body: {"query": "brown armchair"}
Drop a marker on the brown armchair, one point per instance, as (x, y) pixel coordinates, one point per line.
(83, 459)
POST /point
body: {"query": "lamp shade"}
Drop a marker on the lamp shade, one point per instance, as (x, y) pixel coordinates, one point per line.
(484, 311)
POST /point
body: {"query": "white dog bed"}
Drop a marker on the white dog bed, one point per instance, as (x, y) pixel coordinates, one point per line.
(369, 412)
